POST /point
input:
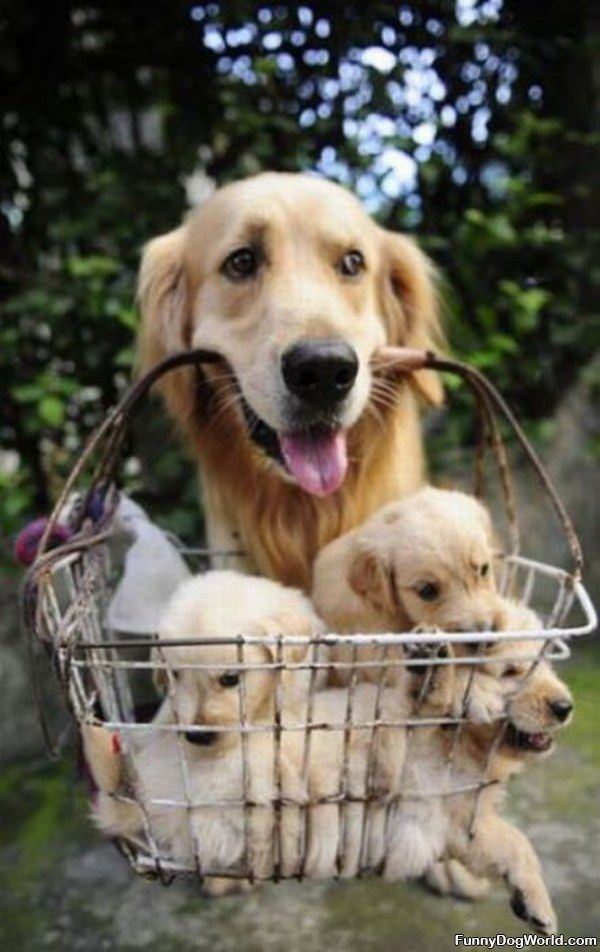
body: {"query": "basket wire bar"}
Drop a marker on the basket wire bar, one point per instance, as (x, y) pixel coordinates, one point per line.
(65, 599)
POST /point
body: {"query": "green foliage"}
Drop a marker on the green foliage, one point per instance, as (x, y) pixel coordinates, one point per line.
(486, 116)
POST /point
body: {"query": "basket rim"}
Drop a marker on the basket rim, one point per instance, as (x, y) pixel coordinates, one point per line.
(570, 584)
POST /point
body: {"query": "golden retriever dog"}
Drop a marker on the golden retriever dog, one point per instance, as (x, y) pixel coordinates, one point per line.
(455, 837)
(298, 441)
(196, 753)
(425, 561)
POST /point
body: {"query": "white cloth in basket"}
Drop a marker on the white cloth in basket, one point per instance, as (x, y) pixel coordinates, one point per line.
(153, 569)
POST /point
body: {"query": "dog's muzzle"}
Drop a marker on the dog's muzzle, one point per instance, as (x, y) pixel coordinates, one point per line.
(311, 445)
(535, 741)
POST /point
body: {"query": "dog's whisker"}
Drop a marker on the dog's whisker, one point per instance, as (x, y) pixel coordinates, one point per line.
(382, 403)
(375, 413)
(380, 390)
(228, 376)
(225, 401)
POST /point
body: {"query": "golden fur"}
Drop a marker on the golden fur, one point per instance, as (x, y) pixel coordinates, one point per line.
(475, 840)
(304, 223)
(172, 765)
(369, 579)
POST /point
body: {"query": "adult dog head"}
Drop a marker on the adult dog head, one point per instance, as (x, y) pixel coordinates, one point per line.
(292, 282)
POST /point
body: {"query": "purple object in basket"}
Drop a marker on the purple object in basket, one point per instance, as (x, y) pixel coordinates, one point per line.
(94, 509)
(28, 539)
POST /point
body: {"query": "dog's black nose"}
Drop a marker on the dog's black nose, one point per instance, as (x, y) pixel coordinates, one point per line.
(561, 708)
(320, 372)
(202, 738)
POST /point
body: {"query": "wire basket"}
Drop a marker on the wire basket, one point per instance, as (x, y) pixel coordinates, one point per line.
(107, 678)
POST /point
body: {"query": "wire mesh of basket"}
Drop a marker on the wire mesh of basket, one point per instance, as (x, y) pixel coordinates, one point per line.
(276, 818)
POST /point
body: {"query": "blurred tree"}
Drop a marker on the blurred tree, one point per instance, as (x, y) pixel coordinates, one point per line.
(473, 122)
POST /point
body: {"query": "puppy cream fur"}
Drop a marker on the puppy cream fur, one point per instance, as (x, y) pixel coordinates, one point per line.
(169, 769)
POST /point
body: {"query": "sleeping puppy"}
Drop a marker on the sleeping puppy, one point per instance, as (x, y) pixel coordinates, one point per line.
(196, 752)
(422, 561)
(465, 828)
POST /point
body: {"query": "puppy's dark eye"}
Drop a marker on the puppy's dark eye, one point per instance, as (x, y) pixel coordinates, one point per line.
(241, 264)
(511, 671)
(484, 569)
(229, 679)
(428, 591)
(352, 263)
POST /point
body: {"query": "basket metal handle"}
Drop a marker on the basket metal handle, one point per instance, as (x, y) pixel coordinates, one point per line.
(392, 361)
(395, 360)
(115, 424)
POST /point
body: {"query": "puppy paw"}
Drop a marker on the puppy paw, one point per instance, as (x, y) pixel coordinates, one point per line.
(433, 682)
(216, 886)
(485, 702)
(464, 884)
(427, 649)
(450, 878)
(535, 911)
(437, 880)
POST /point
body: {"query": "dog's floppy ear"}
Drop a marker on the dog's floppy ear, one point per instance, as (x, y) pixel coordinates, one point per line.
(487, 524)
(410, 305)
(290, 624)
(159, 673)
(166, 325)
(162, 297)
(371, 578)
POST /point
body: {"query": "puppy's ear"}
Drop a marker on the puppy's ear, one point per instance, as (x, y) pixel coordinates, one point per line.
(288, 624)
(159, 674)
(411, 307)
(102, 753)
(488, 527)
(371, 578)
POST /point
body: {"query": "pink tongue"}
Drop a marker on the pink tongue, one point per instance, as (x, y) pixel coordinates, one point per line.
(317, 461)
(539, 740)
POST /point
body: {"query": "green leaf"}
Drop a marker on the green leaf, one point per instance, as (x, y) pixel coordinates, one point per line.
(52, 410)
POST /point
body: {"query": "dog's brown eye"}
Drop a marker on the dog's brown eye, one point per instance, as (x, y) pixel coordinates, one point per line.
(240, 264)
(352, 263)
(510, 672)
(484, 569)
(428, 591)
(229, 679)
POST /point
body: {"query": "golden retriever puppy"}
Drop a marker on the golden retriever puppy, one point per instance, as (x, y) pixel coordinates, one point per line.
(361, 762)
(478, 688)
(455, 837)
(289, 279)
(425, 561)
(197, 754)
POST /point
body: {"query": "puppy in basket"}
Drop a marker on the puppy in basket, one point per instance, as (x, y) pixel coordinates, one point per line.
(464, 826)
(203, 765)
(195, 753)
(361, 763)
(424, 561)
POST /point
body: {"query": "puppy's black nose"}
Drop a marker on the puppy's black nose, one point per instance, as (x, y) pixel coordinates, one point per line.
(561, 708)
(202, 738)
(320, 372)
